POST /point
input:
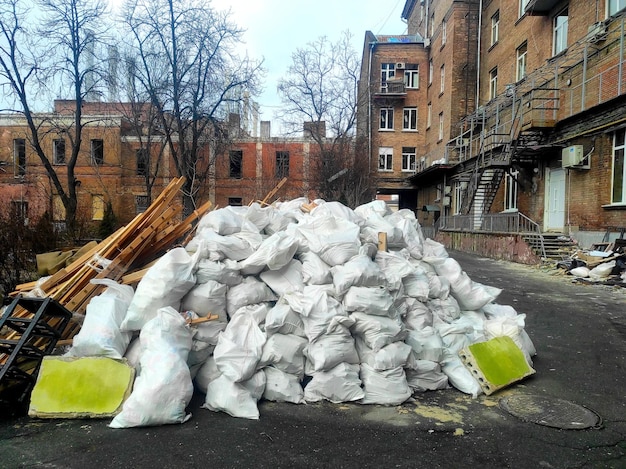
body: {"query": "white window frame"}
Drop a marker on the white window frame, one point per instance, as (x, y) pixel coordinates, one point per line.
(385, 123)
(409, 159)
(412, 76)
(495, 27)
(385, 159)
(440, 136)
(387, 71)
(442, 78)
(409, 119)
(444, 32)
(429, 115)
(560, 23)
(493, 83)
(615, 6)
(522, 7)
(510, 190)
(431, 71)
(619, 166)
(520, 67)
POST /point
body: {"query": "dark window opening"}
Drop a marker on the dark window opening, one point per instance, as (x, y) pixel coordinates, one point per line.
(235, 201)
(19, 156)
(282, 164)
(141, 203)
(142, 162)
(59, 151)
(97, 152)
(236, 163)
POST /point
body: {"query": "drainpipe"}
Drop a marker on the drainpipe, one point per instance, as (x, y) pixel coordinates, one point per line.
(478, 45)
(369, 106)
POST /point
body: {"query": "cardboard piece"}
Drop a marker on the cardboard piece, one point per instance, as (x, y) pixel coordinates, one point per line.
(496, 363)
(92, 387)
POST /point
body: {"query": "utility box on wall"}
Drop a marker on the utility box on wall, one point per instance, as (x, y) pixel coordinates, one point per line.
(573, 157)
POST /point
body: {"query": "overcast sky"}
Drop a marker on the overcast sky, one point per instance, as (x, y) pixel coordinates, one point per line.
(275, 28)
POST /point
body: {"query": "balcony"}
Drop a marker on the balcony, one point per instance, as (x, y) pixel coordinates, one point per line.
(391, 90)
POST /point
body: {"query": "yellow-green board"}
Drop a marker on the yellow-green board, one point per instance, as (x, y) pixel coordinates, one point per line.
(81, 387)
(496, 363)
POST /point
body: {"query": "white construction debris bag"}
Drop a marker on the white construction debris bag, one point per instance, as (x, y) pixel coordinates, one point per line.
(236, 399)
(239, 348)
(282, 387)
(455, 335)
(258, 312)
(394, 267)
(100, 334)
(206, 298)
(336, 209)
(433, 249)
(411, 236)
(335, 346)
(369, 300)
(256, 214)
(444, 310)
(285, 352)
(281, 319)
(164, 388)
(388, 387)
(223, 221)
(340, 384)
(249, 292)
(226, 272)
(208, 372)
(426, 376)
(512, 327)
(426, 344)
(416, 285)
(602, 271)
(274, 252)
(418, 315)
(317, 310)
(396, 354)
(164, 284)
(497, 311)
(286, 279)
(360, 271)
(220, 247)
(314, 270)
(459, 376)
(377, 331)
(335, 240)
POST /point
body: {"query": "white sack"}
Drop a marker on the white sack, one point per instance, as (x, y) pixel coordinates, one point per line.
(335, 346)
(369, 300)
(459, 376)
(427, 376)
(274, 252)
(418, 315)
(416, 285)
(208, 372)
(222, 247)
(317, 311)
(250, 291)
(338, 210)
(396, 354)
(359, 271)
(282, 387)
(335, 240)
(285, 352)
(388, 387)
(314, 270)
(224, 221)
(426, 344)
(239, 348)
(206, 298)
(258, 312)
(164, 388)
(394, 267)
(602, 271)
(164, 284)
(341, 384)
(286, 279)
(226, 272)
(444, 310)
(377, 331)
(281, 319)
(100, 334)
(236, 399)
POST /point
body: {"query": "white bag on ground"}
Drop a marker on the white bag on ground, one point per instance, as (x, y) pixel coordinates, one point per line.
(459, 376)
(317, 311)
(426, 344)
(239, 348)
(236, 399)
(285, 352)
(427, 376)
(388, 387)
(208, 372)
(396, 354)
(164, 388)
(164, 284)
(100, 334)
(282, 387)
(377, 331)
(340, 384)
(335, 346)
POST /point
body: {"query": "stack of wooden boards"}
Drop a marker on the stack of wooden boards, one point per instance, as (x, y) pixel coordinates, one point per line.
(124, 256)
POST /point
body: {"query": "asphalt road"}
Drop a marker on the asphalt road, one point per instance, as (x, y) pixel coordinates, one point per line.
(578, 331)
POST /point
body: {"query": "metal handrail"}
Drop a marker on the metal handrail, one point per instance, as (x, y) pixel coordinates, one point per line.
(506, 222)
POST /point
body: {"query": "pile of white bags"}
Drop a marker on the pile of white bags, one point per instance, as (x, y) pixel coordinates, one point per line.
(308, 309)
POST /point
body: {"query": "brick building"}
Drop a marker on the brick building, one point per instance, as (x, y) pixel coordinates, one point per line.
(521, 117)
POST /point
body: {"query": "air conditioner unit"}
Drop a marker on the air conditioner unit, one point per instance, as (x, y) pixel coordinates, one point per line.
(597, 32)
(572, 156)
(400, 65)
(446, 201)
(461, 142)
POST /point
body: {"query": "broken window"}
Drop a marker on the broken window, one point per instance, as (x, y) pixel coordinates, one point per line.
(59, 151)
(235, 201)
(236, 163)
(97, 152)
(142, 162)
(19, 157)
(282, 164)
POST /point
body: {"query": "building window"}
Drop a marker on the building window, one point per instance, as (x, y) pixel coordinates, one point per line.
(235, 201)
(97, 152)
(141, 156)
(522, 7)
(432, 26)
(457, 197)
(19, 211)
(97, 207)
(387, 72)
(560, 24)
(141, 203)
(495, 27)
(385, 159)
(412, 76)
(444, 32)
(408, 158)
(59, 151)
(442, 78)
(616, 6)
(235, 158)
(619, 168)
(19, 157)
(431, 71)
(282, 164)
(429, 115)
(510, 190)
(409, 120)
(520, 71)
(386, 119)
(440, 136)
(493, 83)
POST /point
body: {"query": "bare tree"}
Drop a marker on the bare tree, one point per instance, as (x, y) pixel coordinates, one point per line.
(320, 89)
(55, 46)
(187, 66)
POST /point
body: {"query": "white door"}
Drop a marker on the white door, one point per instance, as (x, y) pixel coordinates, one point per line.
(554, 219)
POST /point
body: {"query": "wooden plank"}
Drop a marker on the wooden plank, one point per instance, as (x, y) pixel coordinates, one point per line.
(273, 192)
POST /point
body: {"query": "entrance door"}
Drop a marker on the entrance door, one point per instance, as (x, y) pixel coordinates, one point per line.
(554, 219)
